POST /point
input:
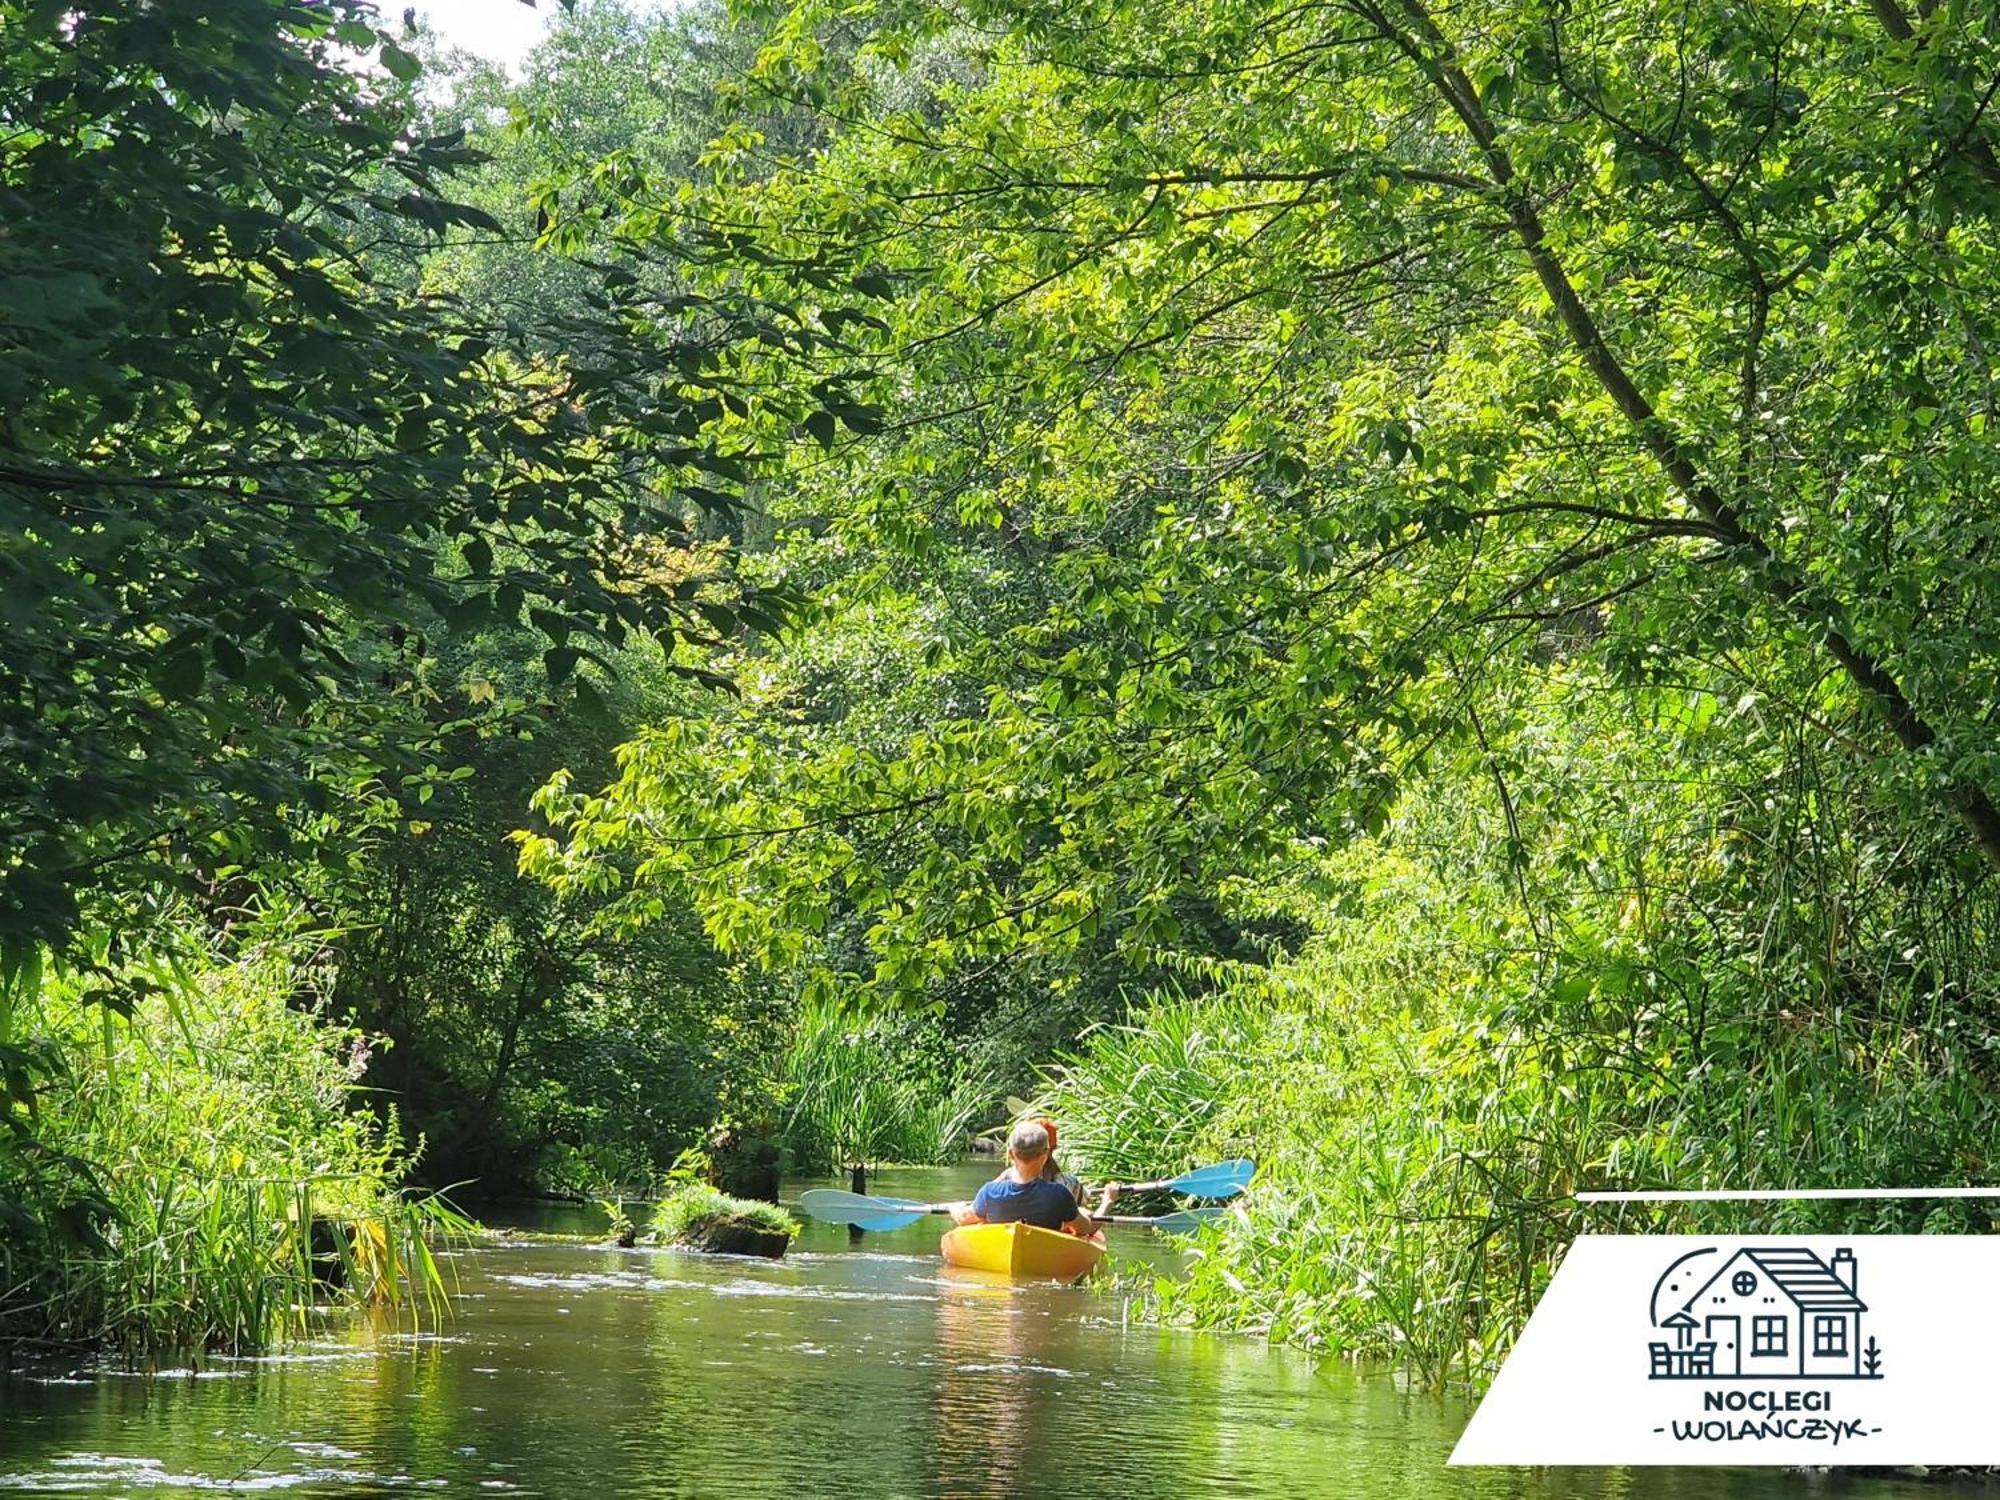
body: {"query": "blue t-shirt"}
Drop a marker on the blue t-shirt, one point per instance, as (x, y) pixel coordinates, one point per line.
(1047, 1205)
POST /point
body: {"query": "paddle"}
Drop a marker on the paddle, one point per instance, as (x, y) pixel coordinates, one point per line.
(1181, 1221)
(1224, 1179)
(838, 1206)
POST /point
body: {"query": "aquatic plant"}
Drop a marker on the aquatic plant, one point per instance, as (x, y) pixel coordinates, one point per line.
(619, 1222)
(873, 1088)
(196, 1176)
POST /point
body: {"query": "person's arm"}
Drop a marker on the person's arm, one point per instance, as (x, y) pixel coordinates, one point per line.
(1105, 1198)
(961, 1213)
(1080, 1225)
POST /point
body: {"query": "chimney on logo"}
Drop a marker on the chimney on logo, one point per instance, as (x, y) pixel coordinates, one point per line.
(1843, 1268)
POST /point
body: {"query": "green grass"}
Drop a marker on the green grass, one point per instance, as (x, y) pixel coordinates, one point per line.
(682, 1211)
(873, 1089)
(196, 1176)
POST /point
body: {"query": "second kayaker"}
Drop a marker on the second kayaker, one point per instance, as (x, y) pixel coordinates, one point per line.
(1052, 1172)
(1022, 1194)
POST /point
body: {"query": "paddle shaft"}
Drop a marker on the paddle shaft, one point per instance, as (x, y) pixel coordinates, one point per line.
(945, 1208)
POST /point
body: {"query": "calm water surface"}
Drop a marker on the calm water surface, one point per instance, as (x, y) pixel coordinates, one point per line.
(841, 1371)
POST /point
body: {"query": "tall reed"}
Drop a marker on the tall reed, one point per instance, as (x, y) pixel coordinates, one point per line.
(871, 1089)
(194, 1174)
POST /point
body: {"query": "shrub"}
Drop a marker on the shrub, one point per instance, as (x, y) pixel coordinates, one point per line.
(1425, 1090)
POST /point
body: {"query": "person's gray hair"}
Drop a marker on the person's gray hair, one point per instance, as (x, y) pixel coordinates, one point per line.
(1030, 1139)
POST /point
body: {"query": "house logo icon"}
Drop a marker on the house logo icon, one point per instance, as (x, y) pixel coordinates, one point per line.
(1772, 1312)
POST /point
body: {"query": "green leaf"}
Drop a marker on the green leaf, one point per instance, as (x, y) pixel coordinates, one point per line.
(401, 64)
(560, 662)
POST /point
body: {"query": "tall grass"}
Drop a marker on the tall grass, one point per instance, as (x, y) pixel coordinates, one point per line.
(871, 1089)
(194, 1175)
(1142, 1099)
(1425, 1090)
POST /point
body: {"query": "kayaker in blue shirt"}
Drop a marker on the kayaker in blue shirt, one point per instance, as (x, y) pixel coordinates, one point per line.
(1022, 1194)
(1052, 1172)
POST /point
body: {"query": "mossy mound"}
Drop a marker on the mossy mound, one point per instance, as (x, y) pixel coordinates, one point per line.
(700, 1218)
(733, 1236)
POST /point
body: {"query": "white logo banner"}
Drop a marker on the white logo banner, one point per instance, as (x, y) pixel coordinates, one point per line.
(1754, 1349)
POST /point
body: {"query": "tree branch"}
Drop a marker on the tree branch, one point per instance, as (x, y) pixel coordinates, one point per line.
(1430, 52)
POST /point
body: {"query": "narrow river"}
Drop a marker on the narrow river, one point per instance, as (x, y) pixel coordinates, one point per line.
(573, 1370)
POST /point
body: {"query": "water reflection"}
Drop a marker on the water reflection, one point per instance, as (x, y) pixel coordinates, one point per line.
(871, 1371)
(992, 1404)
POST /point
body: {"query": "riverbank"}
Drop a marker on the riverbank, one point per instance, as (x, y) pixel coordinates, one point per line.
(199, 1171)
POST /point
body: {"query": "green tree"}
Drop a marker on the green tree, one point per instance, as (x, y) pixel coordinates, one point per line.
(240, 468)
(527, 1048)
(1337, 367)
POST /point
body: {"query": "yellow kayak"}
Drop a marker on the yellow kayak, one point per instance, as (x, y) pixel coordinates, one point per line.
(1021, 1251)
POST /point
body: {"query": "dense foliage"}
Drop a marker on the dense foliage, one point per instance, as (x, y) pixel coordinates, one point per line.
(870, 1088)
(295, 539)
(1500, 496)
(1407, 592)
(1690, 993)
(240, 465)
(1313, 405)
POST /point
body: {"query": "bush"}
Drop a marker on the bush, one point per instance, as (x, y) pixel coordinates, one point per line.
(1425, 1089)
(195, 1175)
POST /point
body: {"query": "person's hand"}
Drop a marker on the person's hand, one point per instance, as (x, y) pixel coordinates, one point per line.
(1105, 1198)
(961, 1213)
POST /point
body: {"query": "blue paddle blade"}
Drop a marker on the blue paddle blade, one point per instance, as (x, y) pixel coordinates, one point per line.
(887, 1221)
(1225, 1179)
(1188, 1220)
(838, 1206)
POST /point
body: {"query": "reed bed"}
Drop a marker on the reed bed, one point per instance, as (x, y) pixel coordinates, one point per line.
(874, 1088)
(195, 1176)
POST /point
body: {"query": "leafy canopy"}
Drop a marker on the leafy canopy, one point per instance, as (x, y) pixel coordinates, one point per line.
(246, 453)
(1316, 370)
